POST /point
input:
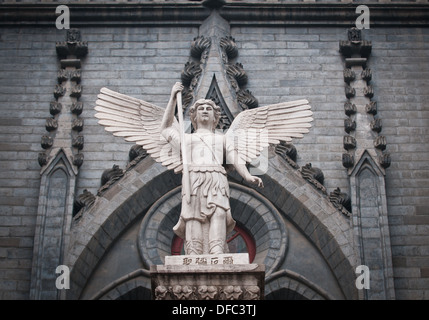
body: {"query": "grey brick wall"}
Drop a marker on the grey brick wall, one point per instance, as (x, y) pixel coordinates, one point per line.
(281, 63)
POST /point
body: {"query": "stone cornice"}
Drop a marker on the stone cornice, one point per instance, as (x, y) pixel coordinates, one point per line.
(238, 14)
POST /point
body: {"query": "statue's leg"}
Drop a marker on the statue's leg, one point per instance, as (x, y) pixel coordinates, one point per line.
(194, 238)
(217, 232)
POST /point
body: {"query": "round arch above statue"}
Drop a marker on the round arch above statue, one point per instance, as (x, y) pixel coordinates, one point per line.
(252, 211)
(132, 197)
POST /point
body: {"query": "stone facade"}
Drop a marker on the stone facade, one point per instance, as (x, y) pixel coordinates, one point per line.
(283, 59)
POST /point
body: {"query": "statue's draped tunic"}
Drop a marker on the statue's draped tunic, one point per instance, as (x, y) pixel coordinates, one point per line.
(208, 180)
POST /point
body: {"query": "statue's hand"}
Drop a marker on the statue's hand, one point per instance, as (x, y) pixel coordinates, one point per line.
(255, 180)
(178, 87)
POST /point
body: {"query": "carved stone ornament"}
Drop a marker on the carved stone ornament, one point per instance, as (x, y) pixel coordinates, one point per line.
(78, 159)
(73, 46)
(349, 125)
(349, 142)
(77, 142)
(314, 175)
(229, 46)
(380, 143)
(109, 177)
(198, 46)
(191, 73)
(136, 154)
(384, 160)
(77, 124)
(287, 152)
(376, 125)
(341, 201)
(349, 108)
(247, 100)
(237, 73)
(51, 124)
(47, 142)
(354, 34)
(368, 92)
(204, 292)
(348, 160)
(349, 75)
(55, 108)
(371, 108)
(62, 75)
(42, 159)
(350, 91)
(59, 91)
(76, 91)
(366, 75)
(77, 108)
(84, 200)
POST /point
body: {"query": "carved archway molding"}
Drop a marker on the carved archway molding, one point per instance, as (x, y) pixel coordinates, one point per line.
(288, 285)
(140, 187)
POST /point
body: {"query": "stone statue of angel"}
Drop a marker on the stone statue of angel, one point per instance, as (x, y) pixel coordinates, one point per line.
(202, 156)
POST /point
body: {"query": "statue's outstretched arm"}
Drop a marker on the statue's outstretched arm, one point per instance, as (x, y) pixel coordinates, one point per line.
(167, 120)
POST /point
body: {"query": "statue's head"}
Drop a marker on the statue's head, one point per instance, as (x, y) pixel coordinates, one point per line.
(204, 111)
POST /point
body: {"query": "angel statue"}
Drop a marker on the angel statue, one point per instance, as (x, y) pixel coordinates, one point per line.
(203, 155)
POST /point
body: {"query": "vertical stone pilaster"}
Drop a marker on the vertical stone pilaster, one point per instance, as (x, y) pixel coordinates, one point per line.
(60, 163)
(366, 161)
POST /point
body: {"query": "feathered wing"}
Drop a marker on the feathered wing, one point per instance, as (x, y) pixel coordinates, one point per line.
(254, 129)
(137, 121)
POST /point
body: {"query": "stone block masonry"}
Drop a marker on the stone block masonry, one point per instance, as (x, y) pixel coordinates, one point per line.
(282, 63)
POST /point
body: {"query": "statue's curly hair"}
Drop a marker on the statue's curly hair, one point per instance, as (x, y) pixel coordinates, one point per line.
(194, 107)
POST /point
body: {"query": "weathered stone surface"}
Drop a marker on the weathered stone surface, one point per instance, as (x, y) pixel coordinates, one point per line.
(211, 282)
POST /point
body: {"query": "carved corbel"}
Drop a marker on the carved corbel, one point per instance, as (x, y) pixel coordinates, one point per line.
(349, 75)
(368, 92)
(349, 142)
(349, 108)
(47, 142)
(246, 99)
(76, 75)
(62, 75)
(376, 125)
(366, 75)
(314, 176)
(348, 160)
(109, 177)
(42, 159)
(288, 152)
(384, 160)
(51, 124)
(371, 108)
(76, 91)
(59, 91)
(229, 46)
(380, 143)
(77, 108)
(198, 46)
(55, 108)
(77, 124)
(349, 125)
(236, 72)
(341, 201)
(78, 142)
(78, 159)
(350, 91)
(83, 201)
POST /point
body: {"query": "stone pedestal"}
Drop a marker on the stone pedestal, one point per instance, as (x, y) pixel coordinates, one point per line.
(208, 277)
